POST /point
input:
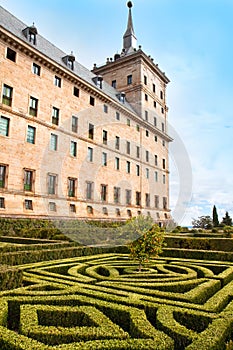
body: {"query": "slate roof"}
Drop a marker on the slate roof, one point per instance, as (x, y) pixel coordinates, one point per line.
(15, 26)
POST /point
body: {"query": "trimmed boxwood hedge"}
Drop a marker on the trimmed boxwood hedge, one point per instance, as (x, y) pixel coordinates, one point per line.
(10, 277)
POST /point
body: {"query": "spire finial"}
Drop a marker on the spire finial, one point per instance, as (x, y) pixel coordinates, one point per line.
(129, 39)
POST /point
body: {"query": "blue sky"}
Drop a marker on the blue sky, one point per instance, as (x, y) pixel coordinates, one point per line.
(192, 42)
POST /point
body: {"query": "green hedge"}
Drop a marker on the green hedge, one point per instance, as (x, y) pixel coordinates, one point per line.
(197, 254)
(205, 243)
(10, 277)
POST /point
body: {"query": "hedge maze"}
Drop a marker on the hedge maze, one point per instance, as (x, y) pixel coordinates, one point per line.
(103, 302)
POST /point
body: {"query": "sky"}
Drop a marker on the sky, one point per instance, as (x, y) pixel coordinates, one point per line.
(192, 42)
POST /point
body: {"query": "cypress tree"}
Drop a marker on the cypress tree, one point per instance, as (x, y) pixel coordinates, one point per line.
(227, 220)
(215, 217)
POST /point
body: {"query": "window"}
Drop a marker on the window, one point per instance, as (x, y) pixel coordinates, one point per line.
(164, 143)
(90, 154)
(156, 201)
(36, 69)
(104, 159)
(76, 91)
(164, 202)
(7, 95)
(2, 202)
(105, 137)
(28, 180)
(52, 206)
(117, 163)
(4, 126)
(72, 208)
(52, 183)
(147, 173)
(161, 95)
(137, 170)
(92, 101)
(156, 138)
(33, 106)
(31, 134)
(114, 84)
(146, 116)
(147, 133)
(118, 212)
(128, 122)
(28, 204)
(57, 81)
(129, 79)
(147, 200)
(105, 109)
(128, 167)
(164, 179)
(164, 164)
(89, 190)
(129, 213)
(155, 105)
(146, 97)
(3, 175)
(105, 210)
(138, 198)
(117, 116)
(91, 131)
(117, 142)
(156, 176)
(127, 147)
(147, 156)
(117, 194)
(53, 142)
(11, 54)
(90, 209)
(73, 148)
(137, 127)
(156, 160)
(103, 193)
(155, 121)
(163, 127)
(162, 110)
(128, 194)
(55, 116)
(72, 187)
(138, 152)
(154, 88)
(74, 124)
(145, 79)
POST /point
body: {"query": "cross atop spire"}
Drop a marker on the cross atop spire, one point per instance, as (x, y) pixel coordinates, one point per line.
(129, 38)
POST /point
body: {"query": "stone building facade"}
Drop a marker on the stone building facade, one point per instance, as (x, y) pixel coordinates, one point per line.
(76, 143)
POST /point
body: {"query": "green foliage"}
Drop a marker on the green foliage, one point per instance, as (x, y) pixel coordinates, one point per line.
(150, 243)
(203, 222)
(226, 220)
(215, 217)
(10, 277)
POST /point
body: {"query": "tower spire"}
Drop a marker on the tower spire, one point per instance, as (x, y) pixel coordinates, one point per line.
(129, 38)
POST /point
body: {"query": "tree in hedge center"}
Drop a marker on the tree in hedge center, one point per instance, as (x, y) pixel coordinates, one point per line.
(204, 222)
(215, 217)
(150, 244)
(226, 220)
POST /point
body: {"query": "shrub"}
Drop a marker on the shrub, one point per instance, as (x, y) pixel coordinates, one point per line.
(10, 277)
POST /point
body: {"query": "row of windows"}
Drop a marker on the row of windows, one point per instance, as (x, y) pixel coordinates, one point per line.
(7, 98)
(31, 138)
(129, 81)
(52, 182)
(52, 206)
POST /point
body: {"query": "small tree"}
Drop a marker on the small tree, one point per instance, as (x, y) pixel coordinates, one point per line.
(226, 220)
(149, 244)
(203, 222)
(215, 217)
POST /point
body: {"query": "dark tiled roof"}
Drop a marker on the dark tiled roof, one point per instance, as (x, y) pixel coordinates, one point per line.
(16, 27)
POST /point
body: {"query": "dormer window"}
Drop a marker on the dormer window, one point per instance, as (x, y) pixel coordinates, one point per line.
(121, 97)
(69, 60)
(98, 80)
(31, 33)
